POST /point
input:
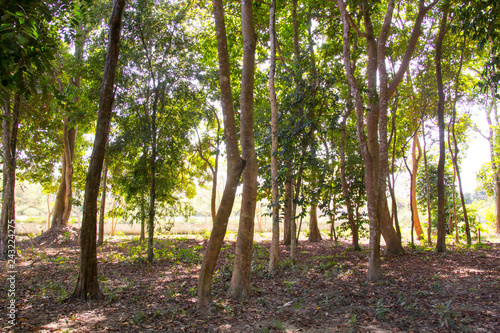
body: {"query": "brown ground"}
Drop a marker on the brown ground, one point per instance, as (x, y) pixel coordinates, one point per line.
(458, 291)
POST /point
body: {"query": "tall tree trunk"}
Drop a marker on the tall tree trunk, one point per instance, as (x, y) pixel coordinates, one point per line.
(287, 214)
(102, 211)
(274, 255)
(416, 156)
(345, 188)
(456, 149)
(441, 218)
(10, 124)
(62, 205)
(240, 281)
(392, 184)
(293, 202)
(235, 166)
(372, 133)
(142, 236)
(63, 202)
(87, 285)
(152, 188)
(314, 233)
(428, 186)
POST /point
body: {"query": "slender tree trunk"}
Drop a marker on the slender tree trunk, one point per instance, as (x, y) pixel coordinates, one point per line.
(62, 205)
(87, 285)
(345, 187)
(441, 219)
(240, 281)
(416, 156)
(10, 124)
(234, 162)
(287, 218)
(152, 188)
(63, 202)
(102, 211)
(456, 152)
(142, 236)
(274, 255)
(49, 211)
(292, 201)
(428, 187)
(392, 184)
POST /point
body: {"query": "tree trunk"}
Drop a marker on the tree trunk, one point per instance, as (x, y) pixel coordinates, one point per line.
(234, 162)
(428, 187)
(62, 205)
(152, 188)
(102, 211)
(314, 233)
(345, 187)
(456, 152)
(292, 202)
(391, 185)
(63, 202)
(142, 236)
(287, 218)
(441, 218)
(274, 255)
(372, 132)
(416, 156)
(240, 281)
(10, 124)
(87, 285)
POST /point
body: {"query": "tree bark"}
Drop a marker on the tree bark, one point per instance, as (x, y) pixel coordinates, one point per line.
(87, 285)
(456, 149)
(428, 187)
(372, 132)
(292, 202)
(345, 187)
(234, 169)
(314, 233)
(441, 219)
(274, 255)
(102, 211)
(62, 205)
(10, 124)
(416, 156)
(240, 281)
(287, 216)
(152, 184)
(63, 202)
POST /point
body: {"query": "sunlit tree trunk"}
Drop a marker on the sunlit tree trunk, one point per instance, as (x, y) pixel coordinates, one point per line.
(416, 157)
(87, 285)
(240, 281)
(428, 187)
(274, 255)
(235, 165)
(441, 219)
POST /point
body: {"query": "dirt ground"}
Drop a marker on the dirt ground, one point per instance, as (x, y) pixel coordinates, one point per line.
(325, 291)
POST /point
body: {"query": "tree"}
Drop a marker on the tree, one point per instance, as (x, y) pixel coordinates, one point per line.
(441, 238)
(235, 165)
(274, 255)
(372, 127)
(240, 281)
(87, 285)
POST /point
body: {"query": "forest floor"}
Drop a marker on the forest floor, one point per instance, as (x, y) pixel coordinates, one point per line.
(326, 291)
